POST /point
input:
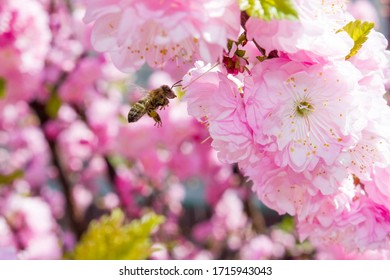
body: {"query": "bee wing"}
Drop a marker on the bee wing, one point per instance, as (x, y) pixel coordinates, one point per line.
(135, 92)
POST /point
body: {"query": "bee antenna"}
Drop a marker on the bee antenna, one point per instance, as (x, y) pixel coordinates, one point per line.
(201, 75)
(177, 84)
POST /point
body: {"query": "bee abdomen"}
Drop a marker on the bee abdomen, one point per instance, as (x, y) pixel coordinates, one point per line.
(136, 112)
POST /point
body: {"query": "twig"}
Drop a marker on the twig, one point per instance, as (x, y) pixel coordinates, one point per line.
(75, 222)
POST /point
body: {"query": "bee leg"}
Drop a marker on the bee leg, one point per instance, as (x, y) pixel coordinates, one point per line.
(165, 104)
(156, 118)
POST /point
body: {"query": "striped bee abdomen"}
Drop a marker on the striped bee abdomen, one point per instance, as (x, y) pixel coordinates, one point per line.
(137, 111)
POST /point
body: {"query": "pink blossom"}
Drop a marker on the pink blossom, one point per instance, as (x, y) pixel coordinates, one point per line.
(312, 38)
(216, 99)
(338, 252)
(259, 248)
(79, 85)
(348, 213)
(33, 226)
(77, 144)
(103, 119)
(373, 61)
(23, 146)
(7, 239)
(364, 10)
(378, 189)
(24, 43)
(167, 32)
(227, 222)
(282, 189)
(310, 115)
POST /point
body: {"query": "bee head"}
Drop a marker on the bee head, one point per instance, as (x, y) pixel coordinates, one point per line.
(168, 92)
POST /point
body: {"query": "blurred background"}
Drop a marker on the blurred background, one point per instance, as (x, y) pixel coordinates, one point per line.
(77, 181)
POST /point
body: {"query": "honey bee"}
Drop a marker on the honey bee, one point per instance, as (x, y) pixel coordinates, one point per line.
(155, 99)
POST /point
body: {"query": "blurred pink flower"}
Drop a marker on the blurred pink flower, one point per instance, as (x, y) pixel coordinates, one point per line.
(164, 32)
(365, 11)
(227, 221)
(77, 144)
(24, 43)
(259, 248)
(80, 84)
(22, 145)
(33, 227)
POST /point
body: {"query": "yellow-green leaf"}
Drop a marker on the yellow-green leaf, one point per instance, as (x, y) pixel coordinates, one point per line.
(269, 9)
(358, 31)
(287, 224)
(3, 87)
(111, 238)
(6, 179)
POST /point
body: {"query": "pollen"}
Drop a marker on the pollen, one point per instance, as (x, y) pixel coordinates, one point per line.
(304, 108)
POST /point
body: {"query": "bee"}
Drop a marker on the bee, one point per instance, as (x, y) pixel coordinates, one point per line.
(155, 99)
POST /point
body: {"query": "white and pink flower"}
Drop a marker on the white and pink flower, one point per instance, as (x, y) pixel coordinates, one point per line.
(162, 32)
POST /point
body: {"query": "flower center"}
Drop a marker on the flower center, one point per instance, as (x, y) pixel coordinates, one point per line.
(304, 108)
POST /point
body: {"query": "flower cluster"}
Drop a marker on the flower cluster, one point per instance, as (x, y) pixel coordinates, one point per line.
(308, 127)
(170, 32)
(24, 43)
(289, 96)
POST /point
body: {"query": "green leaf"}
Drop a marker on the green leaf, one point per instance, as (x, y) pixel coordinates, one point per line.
(53, 105)
(269, 9)
(287, 224)
(3, 87)
(358, 31)
(9, 178)
(111, 238)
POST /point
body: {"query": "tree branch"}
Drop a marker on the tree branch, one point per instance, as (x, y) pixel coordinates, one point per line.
(75, 222)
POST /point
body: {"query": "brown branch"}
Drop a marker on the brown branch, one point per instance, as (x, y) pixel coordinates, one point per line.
(75, 223)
